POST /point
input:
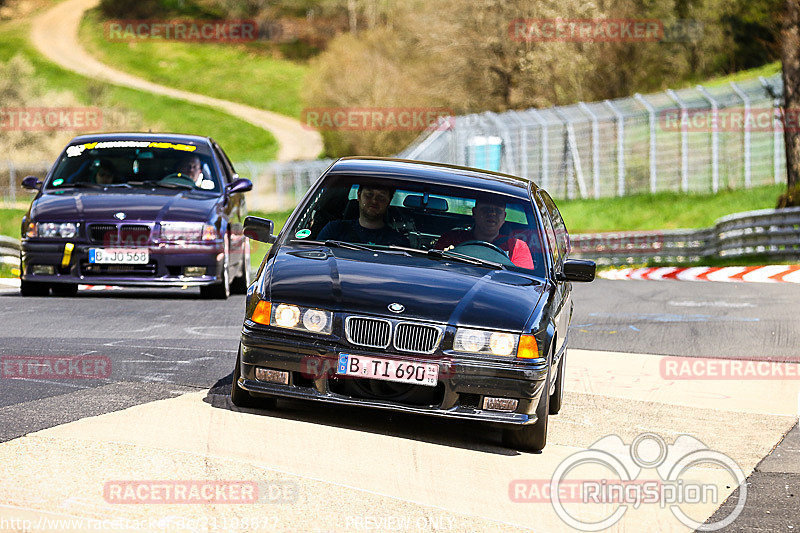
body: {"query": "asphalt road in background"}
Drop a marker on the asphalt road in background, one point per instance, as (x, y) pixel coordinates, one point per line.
(162, 344)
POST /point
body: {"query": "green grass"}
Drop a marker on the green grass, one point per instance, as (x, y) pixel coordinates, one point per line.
(8, 271)
(241, 140)
(765, 70)
(258, 249)
(10, 220)
(241, 72)
(663, 210)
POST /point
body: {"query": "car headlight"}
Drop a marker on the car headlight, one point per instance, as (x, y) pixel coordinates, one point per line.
(486, 342)
(53, 230)
(188, 231)
(293, 317)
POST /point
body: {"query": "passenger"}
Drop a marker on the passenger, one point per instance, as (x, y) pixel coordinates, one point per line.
(489, 215)
(370, 227)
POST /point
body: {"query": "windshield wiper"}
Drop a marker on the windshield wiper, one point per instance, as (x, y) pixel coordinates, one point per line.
(464, 258)
(156, 183)
(330, 243)
(77, 185)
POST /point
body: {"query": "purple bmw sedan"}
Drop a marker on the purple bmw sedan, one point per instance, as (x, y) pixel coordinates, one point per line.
(137, 209)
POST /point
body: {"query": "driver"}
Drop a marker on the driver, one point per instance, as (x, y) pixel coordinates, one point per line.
(489, 215)
(191, 167)
(370, 227)
(106, 173)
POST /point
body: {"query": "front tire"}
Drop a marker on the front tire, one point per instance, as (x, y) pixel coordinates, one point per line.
(558, 396)
(242, 398)
(242, 281)
(34, 288)
(222, 289)
(65, 289)
(532, 438)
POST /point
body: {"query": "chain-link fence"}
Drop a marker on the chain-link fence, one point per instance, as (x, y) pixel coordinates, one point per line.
(691, 140)
(11, 174)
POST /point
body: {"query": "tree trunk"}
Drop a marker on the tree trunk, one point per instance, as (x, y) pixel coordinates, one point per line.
(790, 55)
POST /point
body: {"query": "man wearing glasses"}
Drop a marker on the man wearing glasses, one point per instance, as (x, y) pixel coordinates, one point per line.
(489, 215)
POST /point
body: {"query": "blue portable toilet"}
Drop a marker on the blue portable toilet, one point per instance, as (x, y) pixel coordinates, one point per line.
(485, 152)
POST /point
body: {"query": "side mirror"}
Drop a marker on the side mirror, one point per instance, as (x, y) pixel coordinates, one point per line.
(32, 182)
(259, 229)
(240, 185)
(577, 270)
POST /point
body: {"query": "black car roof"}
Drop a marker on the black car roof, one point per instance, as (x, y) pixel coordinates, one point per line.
(164, 137)
(388, 168)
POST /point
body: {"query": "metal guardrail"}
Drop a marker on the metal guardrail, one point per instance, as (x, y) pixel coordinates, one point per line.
(770, 232)
(9, 250)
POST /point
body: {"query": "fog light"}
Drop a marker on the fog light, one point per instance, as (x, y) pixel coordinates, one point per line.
(43, 270)
(500, 404)
(273, 376)
(194, 271)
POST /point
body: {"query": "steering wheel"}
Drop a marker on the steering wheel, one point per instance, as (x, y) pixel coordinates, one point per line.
(178, 179)
(497, 254)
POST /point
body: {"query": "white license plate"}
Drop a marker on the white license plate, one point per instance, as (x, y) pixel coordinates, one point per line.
(119, 256)
(388, 369)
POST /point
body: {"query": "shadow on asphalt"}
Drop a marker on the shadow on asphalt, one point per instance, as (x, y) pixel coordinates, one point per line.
(452, 433)
(136, 294)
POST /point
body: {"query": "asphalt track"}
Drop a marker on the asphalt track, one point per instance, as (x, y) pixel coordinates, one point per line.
(163, 414)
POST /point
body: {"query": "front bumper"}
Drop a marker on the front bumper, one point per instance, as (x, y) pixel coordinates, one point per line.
(164, 269)
(463, 382)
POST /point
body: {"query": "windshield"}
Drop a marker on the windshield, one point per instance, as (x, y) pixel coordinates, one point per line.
(459, 222)
(135, 164)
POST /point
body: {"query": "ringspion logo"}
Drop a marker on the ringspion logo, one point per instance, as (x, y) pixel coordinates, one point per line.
(591, 490)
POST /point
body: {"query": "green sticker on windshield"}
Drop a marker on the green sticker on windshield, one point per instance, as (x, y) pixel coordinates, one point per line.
(303, 233)
(57, 182)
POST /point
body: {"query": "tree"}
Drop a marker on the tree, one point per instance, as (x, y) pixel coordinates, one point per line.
(790, 55)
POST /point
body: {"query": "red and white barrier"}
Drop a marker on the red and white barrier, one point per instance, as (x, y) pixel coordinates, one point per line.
(752, 274)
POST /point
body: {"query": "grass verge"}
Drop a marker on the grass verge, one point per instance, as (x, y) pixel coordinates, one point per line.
(242, 72)
(240, 139)
(663, 210)
(8, 271)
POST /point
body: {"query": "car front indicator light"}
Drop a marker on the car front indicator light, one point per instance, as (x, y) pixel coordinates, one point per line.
(527, 349)
(209, 232)
(262, 312)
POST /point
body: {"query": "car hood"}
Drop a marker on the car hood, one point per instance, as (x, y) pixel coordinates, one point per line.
(146, 205)
(432, 290)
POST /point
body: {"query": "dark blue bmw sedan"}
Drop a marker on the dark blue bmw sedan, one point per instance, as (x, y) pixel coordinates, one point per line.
(137, 209)
(417, 287)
